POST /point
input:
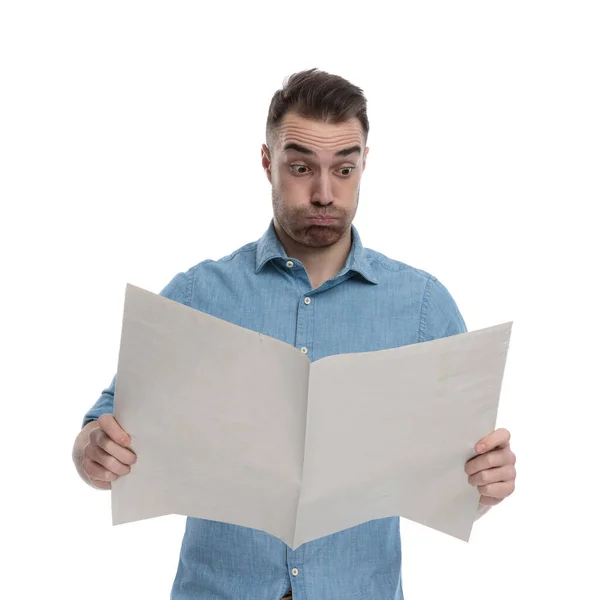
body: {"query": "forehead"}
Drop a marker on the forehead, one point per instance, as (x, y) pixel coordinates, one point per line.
(318, 135)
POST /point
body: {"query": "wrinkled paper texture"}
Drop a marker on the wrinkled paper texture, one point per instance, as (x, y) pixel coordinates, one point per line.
(234, 426)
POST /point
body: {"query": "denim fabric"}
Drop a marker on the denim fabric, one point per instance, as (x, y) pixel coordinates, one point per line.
(373, 303)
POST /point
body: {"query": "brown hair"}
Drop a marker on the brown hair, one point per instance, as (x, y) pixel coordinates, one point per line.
(318, 95)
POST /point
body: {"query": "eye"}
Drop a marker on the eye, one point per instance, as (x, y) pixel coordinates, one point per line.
(348, 171)
(294, 167)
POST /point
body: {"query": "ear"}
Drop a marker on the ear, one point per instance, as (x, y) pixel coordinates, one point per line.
(364, 165)
(266, 161)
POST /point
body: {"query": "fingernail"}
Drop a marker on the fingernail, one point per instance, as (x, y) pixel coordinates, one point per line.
(480, 447)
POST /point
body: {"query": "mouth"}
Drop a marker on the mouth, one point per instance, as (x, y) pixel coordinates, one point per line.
(322, 220)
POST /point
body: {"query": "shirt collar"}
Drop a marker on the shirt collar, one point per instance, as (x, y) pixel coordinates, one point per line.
(269, 248)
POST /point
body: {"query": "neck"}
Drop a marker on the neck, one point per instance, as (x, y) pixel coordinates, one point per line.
(321, 264)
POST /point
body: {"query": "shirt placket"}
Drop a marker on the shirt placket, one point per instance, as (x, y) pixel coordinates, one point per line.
(295, 561)
(305, 310)
(305, 325)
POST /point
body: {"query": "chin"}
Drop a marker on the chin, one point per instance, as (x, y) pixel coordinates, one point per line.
(321, 235)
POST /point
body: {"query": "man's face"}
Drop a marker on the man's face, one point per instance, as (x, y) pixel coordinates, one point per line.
(315, 170)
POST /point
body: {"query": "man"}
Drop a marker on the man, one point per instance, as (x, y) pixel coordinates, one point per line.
(309, 282)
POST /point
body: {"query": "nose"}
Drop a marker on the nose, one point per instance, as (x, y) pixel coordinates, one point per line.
(322, 192)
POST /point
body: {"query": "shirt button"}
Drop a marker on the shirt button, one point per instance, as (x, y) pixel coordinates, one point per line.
(289, 263)
(306, 300)
(304, 349)
(295, 572)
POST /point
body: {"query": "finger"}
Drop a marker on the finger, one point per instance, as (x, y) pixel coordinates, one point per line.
(489, 501)
(99, 438)
(499, 438)
(497, 490)
(109, 424)
(97, 454)
(96, 471)
(505, 473)
(101, 485)
(489, 460)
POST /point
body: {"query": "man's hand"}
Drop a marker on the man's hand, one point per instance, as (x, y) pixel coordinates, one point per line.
(106, 456)
(493, 471)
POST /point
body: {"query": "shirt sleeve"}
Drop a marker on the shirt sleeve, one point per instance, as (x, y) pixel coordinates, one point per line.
(178, 289)
(440, 316)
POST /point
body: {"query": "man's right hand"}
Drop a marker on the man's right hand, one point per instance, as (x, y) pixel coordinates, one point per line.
(106, 456)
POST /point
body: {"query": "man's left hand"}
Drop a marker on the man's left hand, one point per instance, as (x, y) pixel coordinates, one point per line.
(493, 470)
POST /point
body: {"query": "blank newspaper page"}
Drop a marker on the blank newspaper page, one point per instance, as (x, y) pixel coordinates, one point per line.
(216, 414)
(235, 426)
(389, 433)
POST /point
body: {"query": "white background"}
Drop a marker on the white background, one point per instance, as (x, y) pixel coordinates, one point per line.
(130, 138)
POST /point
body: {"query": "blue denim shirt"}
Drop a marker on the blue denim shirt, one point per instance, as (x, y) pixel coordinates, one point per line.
(373, 303)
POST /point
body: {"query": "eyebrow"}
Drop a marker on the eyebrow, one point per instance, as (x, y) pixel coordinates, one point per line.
(304, 150)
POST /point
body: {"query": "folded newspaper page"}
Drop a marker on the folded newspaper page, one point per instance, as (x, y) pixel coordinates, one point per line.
(235, 426)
